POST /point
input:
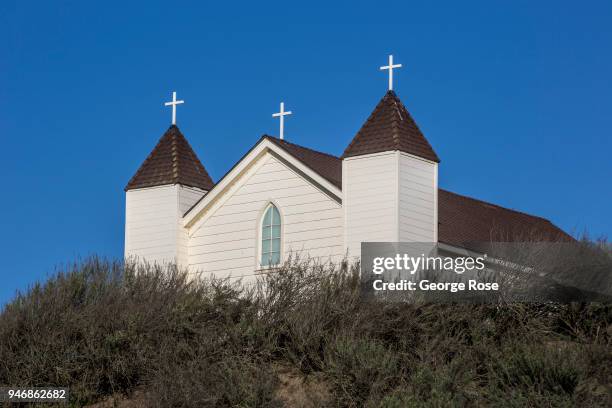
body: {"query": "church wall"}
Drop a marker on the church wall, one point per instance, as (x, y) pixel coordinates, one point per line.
(370, 199)
(187, 197)
(227, 241)
(151, 223)
(418, 198)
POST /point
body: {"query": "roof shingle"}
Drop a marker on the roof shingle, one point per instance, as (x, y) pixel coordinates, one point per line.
(326, 165)
(390, 127)
(172, 161)
(461, 220)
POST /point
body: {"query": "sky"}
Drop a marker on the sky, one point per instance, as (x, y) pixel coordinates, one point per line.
(515, 98)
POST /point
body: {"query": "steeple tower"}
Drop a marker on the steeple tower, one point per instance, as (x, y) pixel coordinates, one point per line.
(390, 180)
(167, 184)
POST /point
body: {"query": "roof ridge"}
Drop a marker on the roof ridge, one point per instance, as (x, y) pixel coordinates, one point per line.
(409, 116)
(303, 147)
(141, 168)
(368, 120)
(495, 205)
(396, 117)
(175, 158)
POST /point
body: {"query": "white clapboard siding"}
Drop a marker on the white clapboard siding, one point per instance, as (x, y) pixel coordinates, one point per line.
(389, 196)
(418, 195)
(222, 246)
(369, 187)
(153, 223)
(236, 208)
(187, 197)
(226, 243)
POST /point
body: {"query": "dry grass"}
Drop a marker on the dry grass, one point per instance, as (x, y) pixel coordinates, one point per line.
(304, 338)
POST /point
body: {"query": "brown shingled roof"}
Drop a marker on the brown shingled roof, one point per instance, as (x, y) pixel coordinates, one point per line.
(172, 161)
(326, 165)
(390, 127)
(461, 220)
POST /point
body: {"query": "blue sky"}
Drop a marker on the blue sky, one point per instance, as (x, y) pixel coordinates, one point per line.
(515, 97)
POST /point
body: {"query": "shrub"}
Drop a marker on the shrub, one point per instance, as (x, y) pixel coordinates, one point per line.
(104, 328)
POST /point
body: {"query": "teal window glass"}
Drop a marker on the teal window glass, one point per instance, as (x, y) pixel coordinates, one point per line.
(270, 237)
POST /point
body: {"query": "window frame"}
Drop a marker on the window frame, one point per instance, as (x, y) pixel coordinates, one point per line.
(261, 226)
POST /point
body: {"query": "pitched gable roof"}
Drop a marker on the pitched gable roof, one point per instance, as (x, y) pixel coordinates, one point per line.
(326, 165)
(461, 220)
(320, 168)
(172, 161)
(390, 127)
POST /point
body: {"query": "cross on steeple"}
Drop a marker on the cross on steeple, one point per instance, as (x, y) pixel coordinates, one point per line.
(281, 115)
(390, 67)
(173, 103)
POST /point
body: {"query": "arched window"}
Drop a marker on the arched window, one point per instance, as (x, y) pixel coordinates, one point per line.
(270, 237)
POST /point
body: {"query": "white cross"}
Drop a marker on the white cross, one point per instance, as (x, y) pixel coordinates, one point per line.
(281, 115)
(173, 104)
(390, 68)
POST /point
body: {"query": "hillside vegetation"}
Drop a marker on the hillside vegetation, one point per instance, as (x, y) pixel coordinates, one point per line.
(304, 338)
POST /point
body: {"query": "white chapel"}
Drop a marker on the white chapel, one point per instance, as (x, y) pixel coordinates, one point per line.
(283, 198)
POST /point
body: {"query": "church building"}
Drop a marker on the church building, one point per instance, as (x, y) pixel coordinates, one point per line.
(282, 198)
